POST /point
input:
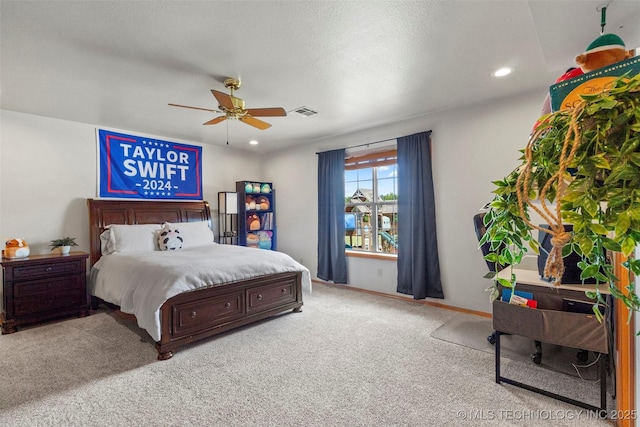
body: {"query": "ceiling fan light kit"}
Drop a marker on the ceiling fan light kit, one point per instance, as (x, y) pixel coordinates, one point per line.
(233, 108)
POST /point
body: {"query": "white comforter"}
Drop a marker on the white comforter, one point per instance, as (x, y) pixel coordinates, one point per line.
(141, 282)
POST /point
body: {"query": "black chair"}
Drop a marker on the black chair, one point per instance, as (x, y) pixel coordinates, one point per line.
(478, 223)
(481, 229)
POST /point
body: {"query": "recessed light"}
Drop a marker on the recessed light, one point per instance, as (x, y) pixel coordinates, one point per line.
(253, 142)
(501, 72)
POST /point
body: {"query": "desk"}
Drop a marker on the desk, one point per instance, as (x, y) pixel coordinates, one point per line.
(550, 324)
(532, 278)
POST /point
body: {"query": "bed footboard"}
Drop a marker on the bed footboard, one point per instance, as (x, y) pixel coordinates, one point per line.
(196, 315)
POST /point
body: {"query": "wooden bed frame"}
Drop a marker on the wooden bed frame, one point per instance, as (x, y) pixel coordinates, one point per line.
(199, 314)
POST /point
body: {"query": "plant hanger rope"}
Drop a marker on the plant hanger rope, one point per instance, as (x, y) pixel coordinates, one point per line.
(554, 266)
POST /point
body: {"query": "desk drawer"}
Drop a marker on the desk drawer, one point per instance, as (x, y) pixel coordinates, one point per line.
(564, 328)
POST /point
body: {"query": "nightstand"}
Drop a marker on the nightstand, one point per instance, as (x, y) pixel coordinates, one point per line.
(43, 287)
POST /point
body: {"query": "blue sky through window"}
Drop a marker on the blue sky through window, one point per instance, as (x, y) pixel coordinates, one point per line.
(363, 178)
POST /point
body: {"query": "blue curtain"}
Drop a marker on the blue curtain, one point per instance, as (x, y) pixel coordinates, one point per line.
(332, 260)
(418, 264)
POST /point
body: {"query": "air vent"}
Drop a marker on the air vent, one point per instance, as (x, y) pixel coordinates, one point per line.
(304, 111)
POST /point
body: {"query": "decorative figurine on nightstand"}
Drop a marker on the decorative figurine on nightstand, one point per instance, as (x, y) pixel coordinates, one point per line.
(15, 248)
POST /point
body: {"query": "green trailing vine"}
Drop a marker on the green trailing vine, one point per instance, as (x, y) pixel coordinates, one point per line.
(580, 167)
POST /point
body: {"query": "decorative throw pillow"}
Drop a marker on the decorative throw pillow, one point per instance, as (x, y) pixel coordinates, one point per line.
(169, 239)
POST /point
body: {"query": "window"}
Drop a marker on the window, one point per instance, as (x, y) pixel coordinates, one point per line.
(371, 202)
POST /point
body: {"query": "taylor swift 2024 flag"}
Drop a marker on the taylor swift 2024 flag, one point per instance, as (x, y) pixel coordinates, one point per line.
(134, 167)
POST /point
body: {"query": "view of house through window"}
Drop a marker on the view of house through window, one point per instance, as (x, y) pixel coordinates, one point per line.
(371, 202)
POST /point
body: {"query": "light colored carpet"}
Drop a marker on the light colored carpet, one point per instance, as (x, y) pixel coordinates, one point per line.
(349, 359)
(581, 378)
(472, 331)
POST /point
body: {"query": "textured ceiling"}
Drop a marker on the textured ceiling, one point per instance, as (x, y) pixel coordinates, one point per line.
(359, 64)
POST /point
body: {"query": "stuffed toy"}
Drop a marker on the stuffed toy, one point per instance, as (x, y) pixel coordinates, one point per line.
(169, 239)
(266, 188)
(252, 240)
(262, 203)
(605, 50)
(253, 222)
(250, 203)
(16, 248)
(264, 239)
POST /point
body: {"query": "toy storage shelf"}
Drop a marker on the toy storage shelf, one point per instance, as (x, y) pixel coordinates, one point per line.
(256, 214)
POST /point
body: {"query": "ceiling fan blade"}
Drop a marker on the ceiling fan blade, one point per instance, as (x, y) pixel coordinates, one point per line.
(195, 108)
(252, 121)
(216, 120)
(267, 112)
(223, 99)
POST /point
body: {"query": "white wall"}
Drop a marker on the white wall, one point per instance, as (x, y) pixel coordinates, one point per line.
(472, 146)
(48, 170)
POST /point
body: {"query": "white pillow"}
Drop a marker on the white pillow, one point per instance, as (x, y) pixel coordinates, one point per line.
(107, 242)
(193, 233)
(132, 238)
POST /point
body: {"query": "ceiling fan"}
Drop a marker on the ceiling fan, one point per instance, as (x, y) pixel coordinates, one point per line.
(233, 108)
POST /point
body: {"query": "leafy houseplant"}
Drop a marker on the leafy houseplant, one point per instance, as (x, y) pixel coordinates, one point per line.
(62, 243)
(581, 166)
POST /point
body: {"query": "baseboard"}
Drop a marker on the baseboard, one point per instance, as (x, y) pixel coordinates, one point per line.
(399, 297)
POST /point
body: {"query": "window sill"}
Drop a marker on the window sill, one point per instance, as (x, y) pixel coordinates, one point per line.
(372, 255)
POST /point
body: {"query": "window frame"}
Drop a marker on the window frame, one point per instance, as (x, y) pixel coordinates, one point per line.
(372, 160)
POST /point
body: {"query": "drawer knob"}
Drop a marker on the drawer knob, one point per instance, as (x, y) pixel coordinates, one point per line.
(284, 290)
(49, 269)
(259, 297)
(227, 305)
(193, 314)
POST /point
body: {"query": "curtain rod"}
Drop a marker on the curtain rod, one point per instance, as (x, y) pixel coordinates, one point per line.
(370, 143)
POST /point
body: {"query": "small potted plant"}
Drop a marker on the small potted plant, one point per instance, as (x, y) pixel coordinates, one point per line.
(64, 244)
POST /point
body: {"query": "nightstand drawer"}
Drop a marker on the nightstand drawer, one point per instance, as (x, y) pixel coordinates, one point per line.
(48, 301)
(56, 284)
(27, 271)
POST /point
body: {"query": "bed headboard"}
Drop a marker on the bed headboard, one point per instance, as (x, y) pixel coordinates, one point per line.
(105, 212)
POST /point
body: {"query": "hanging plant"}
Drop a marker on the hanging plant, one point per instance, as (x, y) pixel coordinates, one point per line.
(580, 167)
